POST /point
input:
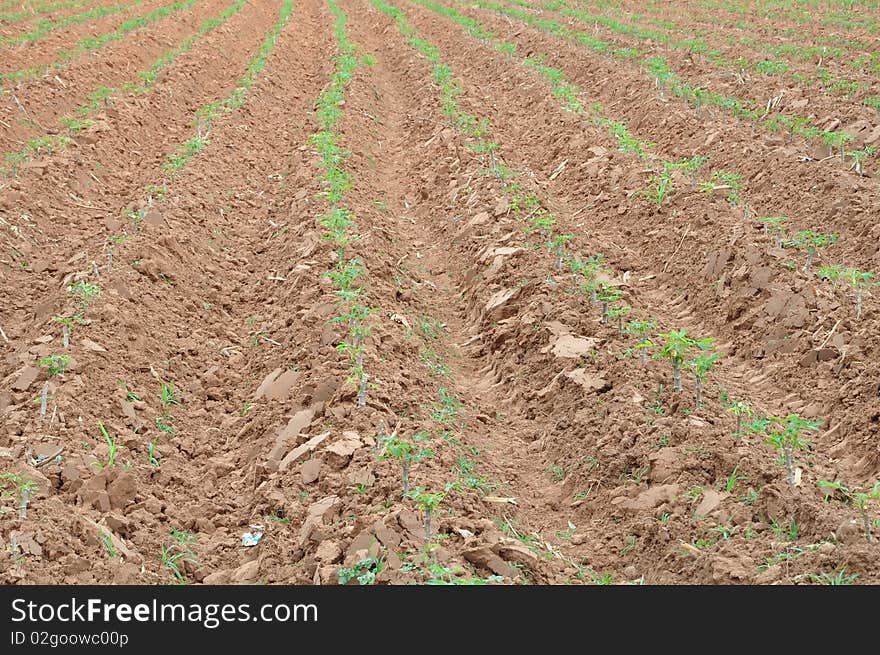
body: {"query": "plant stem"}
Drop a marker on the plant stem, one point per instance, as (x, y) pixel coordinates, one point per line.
(605, 312)
(788, 464)
(699, 385)
(44, 397)
(809, 261)
(643, 356)
(22, 508)
(362, 391)
(676, 375)
(858, 303)
(428, 513)
(739, 424)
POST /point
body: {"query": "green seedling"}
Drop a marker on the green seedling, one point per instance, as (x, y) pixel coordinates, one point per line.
(84, 291)
(838, 577)
(733, 479)
(173, 556)
(675, 347)
(448, 409)
(558, 244)
(811, 242)
(557, 472)
(590, 268)
(690, 167)
(775, 225)
(641, 329)
(660, 185)
(785, 434)
(731, 182)
(20, 488)
(364, 571)
(107, 540)
(860, 280)
(858, 499)
(700, 366)
(606, 295)
(543, 222)
(275, 518)
(407, 452)
(861, 500)
(57, 364)
(168, 395)
(111, 444)
(67, 323)
(739, 409)
(428, 503)
(618, 312)
(151, 453)
(859, 156)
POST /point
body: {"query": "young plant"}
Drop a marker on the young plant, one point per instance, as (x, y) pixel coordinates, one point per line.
(543, 222)
(859, 280)
(732, 182)
(786, 434)
(618, 312)
(811, 242)
(18, 487)
(641, 329)
(859, 499)
(607, 295)
(675, 347)
(774, 225)
(151, 453)
(173, 556)
(859, 156)
(558, 244)
(56, 364)
(428, 503)
(590, 268)
(660, 185)
(168, 397)
(107, 540)
(364, 571)
(111, 444)
(690, 167)
(84, 292)
(407, 452)
(448, 409)
(700, 366)
(740, 408)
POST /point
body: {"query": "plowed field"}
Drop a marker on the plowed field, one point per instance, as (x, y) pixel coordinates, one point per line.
(439, 291)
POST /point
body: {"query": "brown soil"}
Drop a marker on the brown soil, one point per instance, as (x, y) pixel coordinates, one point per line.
(807, 97)
(46, 49)
(43, 102)
(575, 462)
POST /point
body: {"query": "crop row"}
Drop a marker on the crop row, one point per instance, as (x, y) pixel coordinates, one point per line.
(45, 27)
(81, 295)
(778, 66)
(9, 80)
(39, 8)
(665, 78)
(661, 184)
(103, 96)
(683, 352)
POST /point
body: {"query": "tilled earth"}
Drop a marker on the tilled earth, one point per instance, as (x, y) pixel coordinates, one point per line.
(563, 459)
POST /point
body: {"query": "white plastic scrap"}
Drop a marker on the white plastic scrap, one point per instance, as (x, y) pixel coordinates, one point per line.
(252, 538)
